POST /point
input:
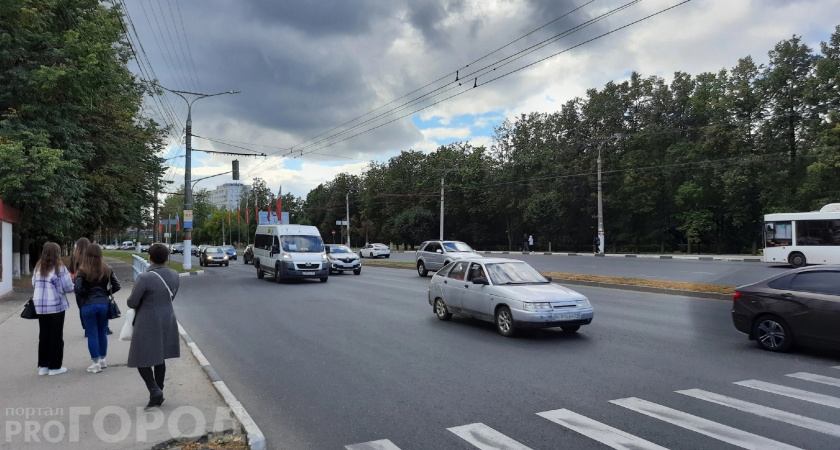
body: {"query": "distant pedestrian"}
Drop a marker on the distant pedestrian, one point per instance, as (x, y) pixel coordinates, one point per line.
(155, 337)
(52, 282)
(95, 282)
(525, 242)
(75, 261)
(530, 241)
(596, 245)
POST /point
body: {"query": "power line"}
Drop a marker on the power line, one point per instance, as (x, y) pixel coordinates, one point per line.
(190, 70)
(526, 51)
(189, 50)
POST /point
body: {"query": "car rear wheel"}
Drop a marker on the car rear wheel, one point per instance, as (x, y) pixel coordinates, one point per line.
(387, 256)
(570, 328)
(797, 259)
(504, 322)
(772, 334)
(260, 273)
(421, 269)
(226, 264)
(440, 310)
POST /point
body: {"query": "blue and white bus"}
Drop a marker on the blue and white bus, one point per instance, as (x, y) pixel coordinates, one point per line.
(803, 238)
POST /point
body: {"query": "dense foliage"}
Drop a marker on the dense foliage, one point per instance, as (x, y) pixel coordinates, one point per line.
(690, 165)
(76, 155)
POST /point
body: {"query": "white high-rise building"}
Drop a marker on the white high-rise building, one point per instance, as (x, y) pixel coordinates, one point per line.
(227, 195)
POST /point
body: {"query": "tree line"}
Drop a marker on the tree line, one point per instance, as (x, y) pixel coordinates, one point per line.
(77, 152)
(688, 165)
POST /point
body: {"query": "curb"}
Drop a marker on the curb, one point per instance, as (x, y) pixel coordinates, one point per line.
(256, 438)
(187, 274)
(746, 258)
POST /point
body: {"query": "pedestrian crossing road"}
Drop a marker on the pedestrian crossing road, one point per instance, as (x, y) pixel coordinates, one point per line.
(748, 401)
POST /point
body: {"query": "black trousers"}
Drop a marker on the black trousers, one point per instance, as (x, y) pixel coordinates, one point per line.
(51, 340)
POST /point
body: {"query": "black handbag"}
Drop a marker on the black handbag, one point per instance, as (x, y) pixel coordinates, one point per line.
(29, 311)
(113, 310)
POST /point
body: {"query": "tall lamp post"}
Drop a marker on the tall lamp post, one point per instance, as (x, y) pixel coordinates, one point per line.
(188, 199)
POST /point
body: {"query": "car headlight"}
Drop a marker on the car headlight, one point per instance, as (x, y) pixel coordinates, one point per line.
(584, 303)
(287, 256)
(225, 257)
(536, 306)
(324, 257)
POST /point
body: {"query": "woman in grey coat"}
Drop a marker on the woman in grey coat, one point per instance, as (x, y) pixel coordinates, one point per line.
(155, 337)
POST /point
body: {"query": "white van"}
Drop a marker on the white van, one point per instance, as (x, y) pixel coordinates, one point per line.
(127, 245)
(290, 251)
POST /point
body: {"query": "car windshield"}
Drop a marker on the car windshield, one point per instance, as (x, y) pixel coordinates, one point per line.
(302, 244)
(513, 273)
(457, 247)
(228, 248)
(214, 250)
(340, 249)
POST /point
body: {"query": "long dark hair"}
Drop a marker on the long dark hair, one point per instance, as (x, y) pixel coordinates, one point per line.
(76, 260)
(92, 268)
(50, 259)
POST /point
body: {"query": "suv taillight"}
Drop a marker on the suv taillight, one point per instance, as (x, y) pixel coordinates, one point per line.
(736, 296)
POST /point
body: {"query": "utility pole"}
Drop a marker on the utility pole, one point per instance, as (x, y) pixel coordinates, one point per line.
(441, 197)
(188, 198)
(347, 200)
(600, 206)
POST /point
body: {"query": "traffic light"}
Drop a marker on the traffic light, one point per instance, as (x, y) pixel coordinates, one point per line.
(235, 169)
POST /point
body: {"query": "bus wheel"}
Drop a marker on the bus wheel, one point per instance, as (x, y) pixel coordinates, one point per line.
(797, 259)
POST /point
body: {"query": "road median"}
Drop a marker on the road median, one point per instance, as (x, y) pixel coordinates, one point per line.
(715, 291)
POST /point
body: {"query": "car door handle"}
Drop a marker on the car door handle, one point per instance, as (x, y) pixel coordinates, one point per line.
(445, 282)
(467, 286)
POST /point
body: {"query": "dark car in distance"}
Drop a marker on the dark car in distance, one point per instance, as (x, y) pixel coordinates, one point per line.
(230, 250)
(801, 306)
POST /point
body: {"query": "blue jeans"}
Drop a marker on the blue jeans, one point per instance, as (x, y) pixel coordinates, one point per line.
(95, 318)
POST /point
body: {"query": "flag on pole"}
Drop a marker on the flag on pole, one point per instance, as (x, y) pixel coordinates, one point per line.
(279, 209)
(238, 217)
(228, 218)
(178, 223)
(160, 227)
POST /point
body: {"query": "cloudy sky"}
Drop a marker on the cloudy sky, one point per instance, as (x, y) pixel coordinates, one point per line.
(329, 85)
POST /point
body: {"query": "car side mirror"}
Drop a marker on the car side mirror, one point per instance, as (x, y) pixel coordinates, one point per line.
(275, 249)
(327, 249)
(548, 278)
(480, 280)
(438, 251)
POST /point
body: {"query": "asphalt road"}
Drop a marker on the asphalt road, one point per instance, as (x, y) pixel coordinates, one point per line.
(362, 358)
(729, 273)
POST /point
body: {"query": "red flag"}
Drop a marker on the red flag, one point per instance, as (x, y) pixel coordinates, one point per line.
(160, 227)
(228, 218)
(178, 222)
(279, 209)
(238, 217)
(269, 212)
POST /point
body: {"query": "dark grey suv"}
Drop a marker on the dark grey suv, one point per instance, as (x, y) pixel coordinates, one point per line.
(432, 255)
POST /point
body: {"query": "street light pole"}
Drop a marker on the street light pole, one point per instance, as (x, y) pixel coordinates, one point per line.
(188, 198)
(600, 206)
(441, 206)
(347, 200)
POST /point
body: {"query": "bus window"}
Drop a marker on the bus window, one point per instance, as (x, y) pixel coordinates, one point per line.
(818, 232)
(777, 234)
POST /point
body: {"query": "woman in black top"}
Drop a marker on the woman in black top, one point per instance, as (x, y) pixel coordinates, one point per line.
(75, 261)
(94, 293)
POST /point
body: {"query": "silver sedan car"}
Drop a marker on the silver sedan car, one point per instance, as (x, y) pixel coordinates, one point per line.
(507, 292)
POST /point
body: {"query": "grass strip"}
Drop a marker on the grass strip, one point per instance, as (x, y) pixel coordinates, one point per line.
(679, 285)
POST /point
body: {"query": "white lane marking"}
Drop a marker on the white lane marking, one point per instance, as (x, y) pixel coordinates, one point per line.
(700, 425)
(765, 411)
(383, 444)
(807, 396)
(605, 434)
(486, 438)
(816, 378)
(704, 273)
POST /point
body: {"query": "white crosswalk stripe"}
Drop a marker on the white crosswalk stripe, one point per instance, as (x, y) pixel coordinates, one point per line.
(800, 394)
(816, 378)
(700, 425)
(486, 438)
(605, 434)
(383, 444)
(765, 411)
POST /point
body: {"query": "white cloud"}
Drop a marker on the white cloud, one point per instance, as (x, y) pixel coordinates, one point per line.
(445, 133)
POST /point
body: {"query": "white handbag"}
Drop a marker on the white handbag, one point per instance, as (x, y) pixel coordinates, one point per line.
(128, 326)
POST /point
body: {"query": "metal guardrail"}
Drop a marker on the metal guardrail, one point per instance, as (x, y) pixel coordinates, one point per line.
(140, 265)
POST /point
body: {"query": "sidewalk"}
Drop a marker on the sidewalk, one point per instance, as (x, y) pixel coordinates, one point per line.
(81, 410)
